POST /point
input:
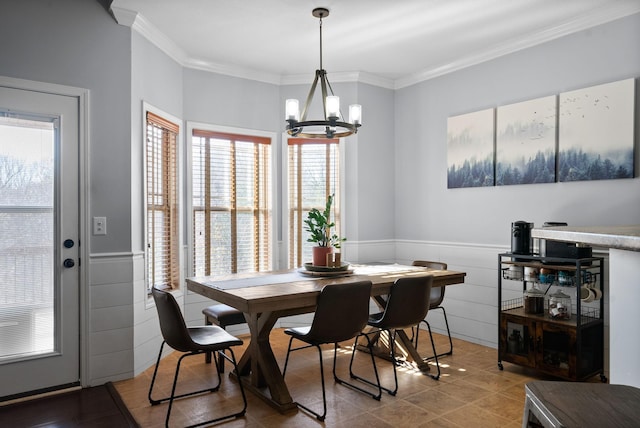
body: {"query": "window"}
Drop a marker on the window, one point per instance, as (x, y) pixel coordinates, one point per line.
(163, 259)
(314, 166)
(231, 203)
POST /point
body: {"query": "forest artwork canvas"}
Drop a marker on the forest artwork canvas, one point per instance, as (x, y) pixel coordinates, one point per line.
(470, 149)
(596, 132)
(526, 142)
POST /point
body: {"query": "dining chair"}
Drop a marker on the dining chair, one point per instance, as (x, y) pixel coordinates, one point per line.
(191, 341)
(407, 304)
(221, 315)
(341, 314)
(435, 302)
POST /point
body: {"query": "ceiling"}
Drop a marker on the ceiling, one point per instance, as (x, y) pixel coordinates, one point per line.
(390, 43)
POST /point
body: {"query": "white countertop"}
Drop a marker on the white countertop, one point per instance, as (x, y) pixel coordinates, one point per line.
(620, 237)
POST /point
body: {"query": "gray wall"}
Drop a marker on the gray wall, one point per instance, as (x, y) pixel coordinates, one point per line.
(76, 43)
(427, 210)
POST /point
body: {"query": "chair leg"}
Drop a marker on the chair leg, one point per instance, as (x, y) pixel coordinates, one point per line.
(188, 394)
(356, 387)
(318, 416)
(361, 379)
(435, 355)
(448, 331)
(153, 379)
(450, 351)
(392, 343)
(172, 397)
(220, 363)
(207, 355)
(286, 360)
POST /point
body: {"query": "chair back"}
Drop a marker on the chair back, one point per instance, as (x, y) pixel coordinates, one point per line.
(342, 312)
(172, 325)
(408, 303)
(437, 293)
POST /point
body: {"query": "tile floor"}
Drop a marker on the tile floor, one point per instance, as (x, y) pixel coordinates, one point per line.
(472, 391)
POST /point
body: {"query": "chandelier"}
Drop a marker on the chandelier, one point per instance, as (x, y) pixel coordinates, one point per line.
(333, 125)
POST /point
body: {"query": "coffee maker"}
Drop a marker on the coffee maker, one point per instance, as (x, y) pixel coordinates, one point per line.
(521, 242)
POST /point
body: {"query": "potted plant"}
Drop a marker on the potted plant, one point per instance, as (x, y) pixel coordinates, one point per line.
(319, 225)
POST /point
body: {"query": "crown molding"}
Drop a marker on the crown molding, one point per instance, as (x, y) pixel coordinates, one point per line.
(139, 23)
(124, 17)
(603, 15)
(340, 77)
(232, 70)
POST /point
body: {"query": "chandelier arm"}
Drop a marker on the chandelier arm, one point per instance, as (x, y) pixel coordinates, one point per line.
(323, 87)
(312, 91)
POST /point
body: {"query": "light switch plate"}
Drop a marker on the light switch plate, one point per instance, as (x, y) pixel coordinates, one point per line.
(99, 225)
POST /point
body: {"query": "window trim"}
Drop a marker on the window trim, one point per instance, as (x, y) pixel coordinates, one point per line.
(199, 126)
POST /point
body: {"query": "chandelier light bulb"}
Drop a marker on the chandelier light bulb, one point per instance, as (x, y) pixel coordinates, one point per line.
(292, 110)
(355, 114)
(333, 106)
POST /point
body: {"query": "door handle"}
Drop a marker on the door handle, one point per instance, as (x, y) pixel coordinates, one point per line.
(69, 263)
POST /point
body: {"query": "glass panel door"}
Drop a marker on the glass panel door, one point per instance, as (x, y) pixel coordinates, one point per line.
(26, 226)
(39, 246)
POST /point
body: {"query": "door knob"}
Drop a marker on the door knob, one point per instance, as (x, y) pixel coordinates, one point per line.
(68, 243)
(68, 263)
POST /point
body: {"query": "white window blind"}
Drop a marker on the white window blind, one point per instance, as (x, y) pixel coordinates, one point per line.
(231, 200)
(314, 167)
(163, 262)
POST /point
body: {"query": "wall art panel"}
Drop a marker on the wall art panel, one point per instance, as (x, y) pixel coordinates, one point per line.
(470, 149)
(596, 131)
(526, 142)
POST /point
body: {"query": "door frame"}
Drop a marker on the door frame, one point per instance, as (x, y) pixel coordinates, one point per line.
(82, 95)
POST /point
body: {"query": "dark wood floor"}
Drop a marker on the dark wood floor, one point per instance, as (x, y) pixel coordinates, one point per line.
(94, 407)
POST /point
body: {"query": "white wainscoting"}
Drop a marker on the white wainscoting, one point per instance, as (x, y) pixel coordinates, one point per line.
(111, 314)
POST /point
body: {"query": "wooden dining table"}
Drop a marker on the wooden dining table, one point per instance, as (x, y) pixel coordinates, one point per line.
(265, 297)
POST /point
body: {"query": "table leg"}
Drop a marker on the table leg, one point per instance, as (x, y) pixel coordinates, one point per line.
(258, 367)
